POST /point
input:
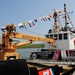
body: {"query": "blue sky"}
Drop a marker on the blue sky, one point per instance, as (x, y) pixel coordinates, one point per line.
(18, 11)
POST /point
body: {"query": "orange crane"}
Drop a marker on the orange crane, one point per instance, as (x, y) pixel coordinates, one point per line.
(8, 47)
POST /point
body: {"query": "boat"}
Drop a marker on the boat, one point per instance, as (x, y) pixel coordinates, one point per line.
(64, 35)
(11, 64)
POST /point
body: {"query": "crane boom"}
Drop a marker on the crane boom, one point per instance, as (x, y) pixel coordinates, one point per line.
(8, 47)
(31, 38)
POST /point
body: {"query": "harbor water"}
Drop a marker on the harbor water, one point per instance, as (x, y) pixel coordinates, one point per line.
(25, 53)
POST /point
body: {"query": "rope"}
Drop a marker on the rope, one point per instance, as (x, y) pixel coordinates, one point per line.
(32, 32)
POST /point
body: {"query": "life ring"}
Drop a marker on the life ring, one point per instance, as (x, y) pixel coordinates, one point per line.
(34, 55)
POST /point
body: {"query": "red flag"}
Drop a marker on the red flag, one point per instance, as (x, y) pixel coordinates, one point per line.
(56, 55)
(46, 72)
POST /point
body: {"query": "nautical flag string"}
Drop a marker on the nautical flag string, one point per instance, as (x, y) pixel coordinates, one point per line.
(3, 29)
(24, 24)
(21, 25)
(70, 20)
(32, 23)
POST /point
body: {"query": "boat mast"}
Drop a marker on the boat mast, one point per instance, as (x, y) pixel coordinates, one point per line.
(56, 26)
(65, 16)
